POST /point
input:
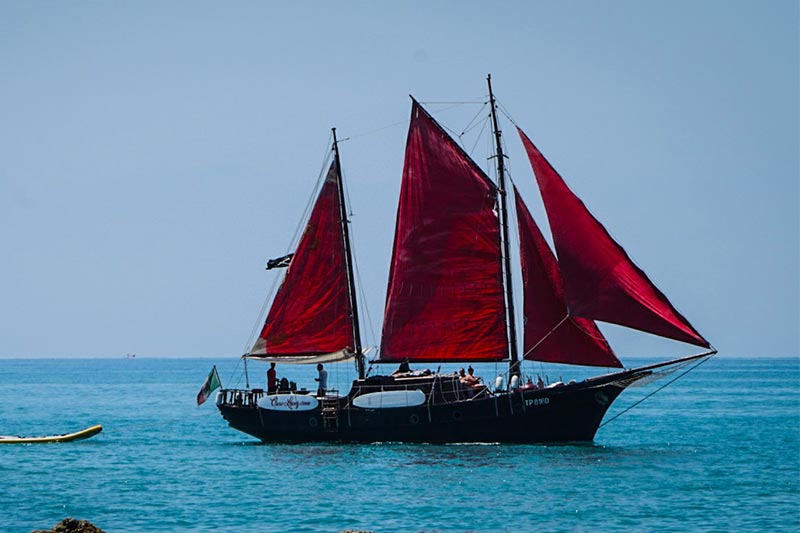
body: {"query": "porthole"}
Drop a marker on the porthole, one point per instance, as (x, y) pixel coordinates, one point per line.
(313, 422)
(414, 419)
(457, 415)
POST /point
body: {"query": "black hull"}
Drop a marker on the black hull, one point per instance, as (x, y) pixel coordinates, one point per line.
(568, 413)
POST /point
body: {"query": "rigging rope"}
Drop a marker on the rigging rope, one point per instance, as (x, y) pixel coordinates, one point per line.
(670, 382)
(480, 135)
(452, 103)
(403, 122)
(371, 132)
(260, 318)
(470, 125)
(545, 337)
(357, 281)
(323, 172)
(506, 113)
(363, 295)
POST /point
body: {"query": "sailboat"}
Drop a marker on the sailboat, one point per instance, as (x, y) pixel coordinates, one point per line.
(450, 300)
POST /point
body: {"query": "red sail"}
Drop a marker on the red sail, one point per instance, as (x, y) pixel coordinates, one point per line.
(311, 314)
(550, 334)
(600, 280)
(445, 299)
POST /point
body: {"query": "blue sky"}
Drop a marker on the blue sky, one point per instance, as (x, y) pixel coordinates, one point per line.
(156, 154)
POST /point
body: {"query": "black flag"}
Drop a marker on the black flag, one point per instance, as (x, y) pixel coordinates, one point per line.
(280, 262)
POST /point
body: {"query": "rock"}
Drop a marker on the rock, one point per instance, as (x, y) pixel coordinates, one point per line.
(70, 525)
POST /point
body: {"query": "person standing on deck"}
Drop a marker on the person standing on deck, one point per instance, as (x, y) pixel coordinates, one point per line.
(322, 379)
(272, 379)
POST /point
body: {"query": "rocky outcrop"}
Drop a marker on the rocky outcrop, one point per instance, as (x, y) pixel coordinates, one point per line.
(70, 525)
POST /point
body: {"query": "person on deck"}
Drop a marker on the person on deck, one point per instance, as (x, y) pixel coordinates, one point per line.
(468, 379)
(404, 368)
(272, 379)
(322, 379)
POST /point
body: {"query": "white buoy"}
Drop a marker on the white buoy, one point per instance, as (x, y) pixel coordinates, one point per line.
(498, 383)
(513, 383)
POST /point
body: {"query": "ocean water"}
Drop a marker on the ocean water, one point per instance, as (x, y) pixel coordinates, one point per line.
(718, 450)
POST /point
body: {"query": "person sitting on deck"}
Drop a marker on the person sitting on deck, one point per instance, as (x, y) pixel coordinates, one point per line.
(468, 379)
(470, 383)
(404, 368)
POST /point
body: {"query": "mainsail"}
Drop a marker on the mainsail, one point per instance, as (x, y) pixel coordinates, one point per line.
(600, 280)
(445, 300)
(311, 316)
(551, 335)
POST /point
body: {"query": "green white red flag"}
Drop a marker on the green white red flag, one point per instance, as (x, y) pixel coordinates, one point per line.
(209, 385)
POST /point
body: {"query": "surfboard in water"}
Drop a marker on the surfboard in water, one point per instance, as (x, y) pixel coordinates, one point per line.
(67, 437)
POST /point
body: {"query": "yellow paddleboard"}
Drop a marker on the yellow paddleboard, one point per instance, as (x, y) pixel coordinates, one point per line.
(67, 437)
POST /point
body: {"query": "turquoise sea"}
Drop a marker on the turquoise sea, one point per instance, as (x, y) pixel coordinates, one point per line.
(718, 450)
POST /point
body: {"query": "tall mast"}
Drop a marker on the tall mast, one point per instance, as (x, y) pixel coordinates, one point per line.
(348, 256)
(513, 366)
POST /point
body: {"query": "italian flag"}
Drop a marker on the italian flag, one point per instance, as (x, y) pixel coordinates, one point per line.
(209, 385)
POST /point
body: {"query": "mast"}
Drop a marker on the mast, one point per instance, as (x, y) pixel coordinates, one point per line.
(513, 366)
(348, 259)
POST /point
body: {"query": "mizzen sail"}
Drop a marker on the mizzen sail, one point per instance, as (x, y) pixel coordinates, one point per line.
(311, 314)
(550, 334)
(600, 280)
(445, 299)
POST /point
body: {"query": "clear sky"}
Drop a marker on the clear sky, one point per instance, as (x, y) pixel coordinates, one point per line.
(154, 155)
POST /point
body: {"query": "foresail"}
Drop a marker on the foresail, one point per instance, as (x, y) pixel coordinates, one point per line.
(445, 297)
(550, 334)
(311, 314)
(600, 280)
